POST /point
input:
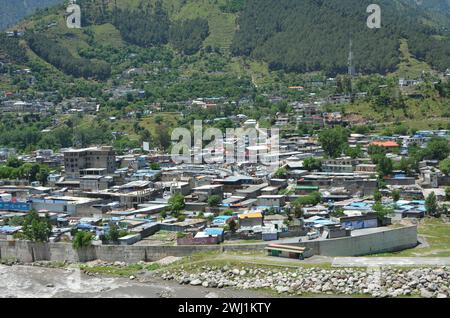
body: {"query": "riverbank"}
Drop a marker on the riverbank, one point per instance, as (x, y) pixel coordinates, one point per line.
(20, 281)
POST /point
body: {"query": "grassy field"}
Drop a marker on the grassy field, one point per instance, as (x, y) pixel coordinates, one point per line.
(436, 233)
(409, 67)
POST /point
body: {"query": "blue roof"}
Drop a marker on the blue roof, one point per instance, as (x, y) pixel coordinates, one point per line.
(359, 204)
(84, 226)
(214, 231)
(223, 217)
(8, 229)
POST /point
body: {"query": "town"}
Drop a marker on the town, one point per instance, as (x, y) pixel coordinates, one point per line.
(226, 148)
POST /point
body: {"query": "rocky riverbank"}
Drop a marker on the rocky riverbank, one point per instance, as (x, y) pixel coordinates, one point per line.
(385, 282)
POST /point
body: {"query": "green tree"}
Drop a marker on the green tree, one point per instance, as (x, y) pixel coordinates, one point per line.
(396, 195)
(82, 239)
(382, 211)
(214, 200)
(228, 212)
(35, 228)
(445, 166)
(281, 172)
(333, 141)
(385, 167)
(113, 233)
(176, 202)
(354, 152)
(437, 149)
(312, 164)
(232, 226)
(377, 196)
(447, 193)
(431, 204)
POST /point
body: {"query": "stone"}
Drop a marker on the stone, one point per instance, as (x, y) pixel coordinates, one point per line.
(196, 282)
(425, 293)
(281, 289)
(205, 284)
(440, 295)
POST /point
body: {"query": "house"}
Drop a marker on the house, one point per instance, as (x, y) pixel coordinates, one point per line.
(288, 251)
(251, 219)
(275, 202)
(385, 144)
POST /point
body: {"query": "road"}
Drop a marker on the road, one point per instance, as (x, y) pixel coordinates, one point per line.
(389, 261)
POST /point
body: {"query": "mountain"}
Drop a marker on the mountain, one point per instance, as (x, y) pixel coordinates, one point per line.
(291, 35)
(312, 35)
(13, 10)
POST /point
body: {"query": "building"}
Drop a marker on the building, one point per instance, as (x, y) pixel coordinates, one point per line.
(251, 219)
(76, 161)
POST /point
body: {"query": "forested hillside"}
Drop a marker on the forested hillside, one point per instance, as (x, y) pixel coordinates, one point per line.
(291, 35)
(311, 35)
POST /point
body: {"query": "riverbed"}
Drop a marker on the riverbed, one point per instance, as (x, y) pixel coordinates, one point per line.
(40, 282)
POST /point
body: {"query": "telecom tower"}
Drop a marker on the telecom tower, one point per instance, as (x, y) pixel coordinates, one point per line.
(351, 67)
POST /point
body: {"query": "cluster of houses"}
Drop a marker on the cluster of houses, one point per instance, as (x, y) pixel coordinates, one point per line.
(91, 188)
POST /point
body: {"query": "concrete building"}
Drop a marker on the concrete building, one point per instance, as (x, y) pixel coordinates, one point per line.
(78, 160)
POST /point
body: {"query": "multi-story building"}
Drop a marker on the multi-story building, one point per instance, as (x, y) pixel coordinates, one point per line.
(77, 161)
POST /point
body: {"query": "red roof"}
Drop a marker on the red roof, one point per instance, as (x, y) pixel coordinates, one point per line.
(385, 144)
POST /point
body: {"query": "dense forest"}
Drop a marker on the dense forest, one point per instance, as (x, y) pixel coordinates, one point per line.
(187, 36)
(10, 47)
(290, 35)
(311, 35)
(60, 57)
(145, 27)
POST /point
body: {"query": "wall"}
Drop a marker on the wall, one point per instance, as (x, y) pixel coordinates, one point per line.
(389, 240)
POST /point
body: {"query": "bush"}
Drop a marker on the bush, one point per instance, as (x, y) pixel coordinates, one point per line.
(82, 239)
(35, 228)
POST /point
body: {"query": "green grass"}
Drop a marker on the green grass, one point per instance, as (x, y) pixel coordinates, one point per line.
(437, 234)
(409, 67)
(126, 271)
(108, 35)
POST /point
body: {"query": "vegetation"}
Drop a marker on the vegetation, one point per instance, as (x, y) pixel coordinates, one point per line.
(312, 164)
(431, 205)
(12, 49)
(36, 228)
(286, 34)
(382, 211)
(214, 200)
(187, 36)
(333, 141)
(176, 203)
(15, 169)
(444, 166)
(281, 172)
(146, 27)
(310, 199)
(385, 167)
(82, 240)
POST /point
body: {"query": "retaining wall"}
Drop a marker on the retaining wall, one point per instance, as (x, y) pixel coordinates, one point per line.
(390, 240)
(385, 241)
